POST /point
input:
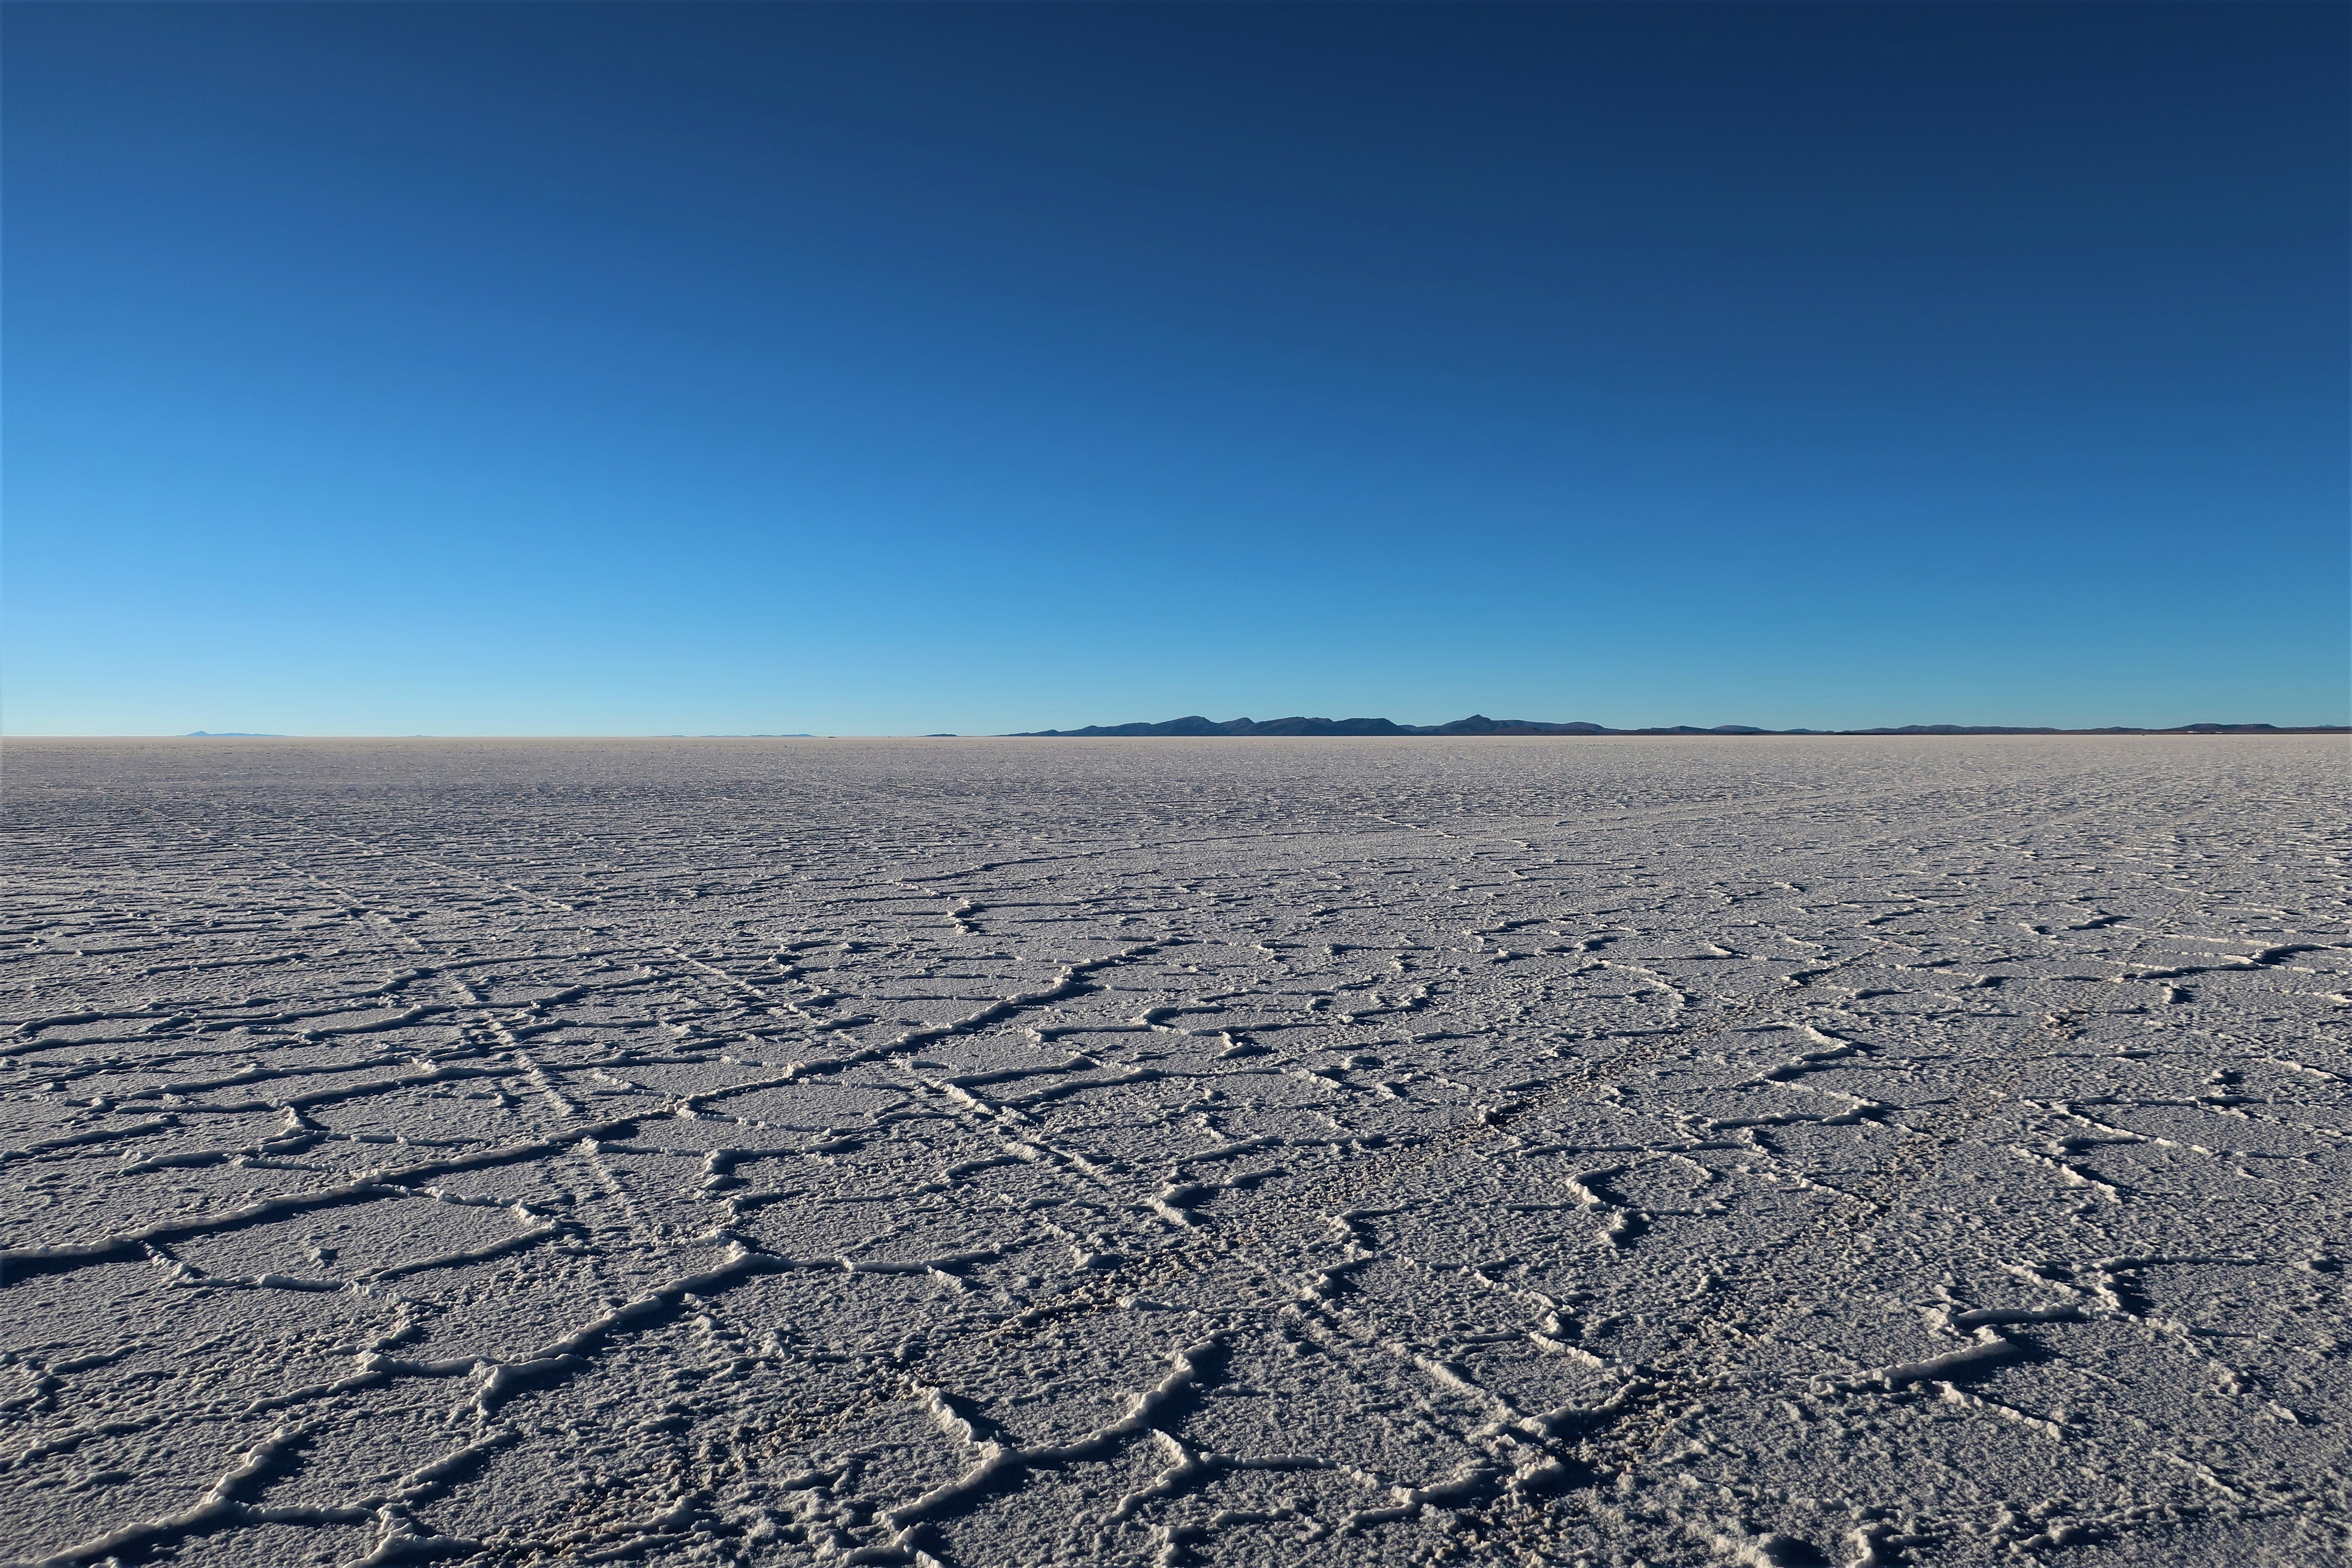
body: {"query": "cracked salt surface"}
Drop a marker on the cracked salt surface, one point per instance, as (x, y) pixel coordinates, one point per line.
(1009, 1152)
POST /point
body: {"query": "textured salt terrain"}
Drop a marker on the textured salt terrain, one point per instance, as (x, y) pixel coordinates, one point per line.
(1011, 1152)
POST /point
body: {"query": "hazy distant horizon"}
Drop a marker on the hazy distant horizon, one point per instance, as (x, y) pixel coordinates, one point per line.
(1627, 732)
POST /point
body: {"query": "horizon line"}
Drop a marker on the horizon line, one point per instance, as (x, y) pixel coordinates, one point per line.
(1269, 730)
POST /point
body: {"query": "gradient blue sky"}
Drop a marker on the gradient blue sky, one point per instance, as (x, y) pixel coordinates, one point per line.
(627, 369)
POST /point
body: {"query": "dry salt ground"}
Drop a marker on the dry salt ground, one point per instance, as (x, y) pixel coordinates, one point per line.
(1279, 1152)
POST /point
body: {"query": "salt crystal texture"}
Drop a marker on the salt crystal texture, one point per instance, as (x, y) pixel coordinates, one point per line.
(1006, 1153)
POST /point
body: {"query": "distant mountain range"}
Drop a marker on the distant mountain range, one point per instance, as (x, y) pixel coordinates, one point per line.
(1479, 724)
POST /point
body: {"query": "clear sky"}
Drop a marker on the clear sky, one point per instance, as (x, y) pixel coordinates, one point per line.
(876, 369)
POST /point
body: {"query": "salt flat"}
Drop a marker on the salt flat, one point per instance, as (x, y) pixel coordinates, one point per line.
(1233, 1152)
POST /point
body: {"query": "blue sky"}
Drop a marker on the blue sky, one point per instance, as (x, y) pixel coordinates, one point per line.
(647, 369)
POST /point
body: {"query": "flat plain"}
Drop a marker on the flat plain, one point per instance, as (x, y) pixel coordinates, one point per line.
(1010, 1152)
